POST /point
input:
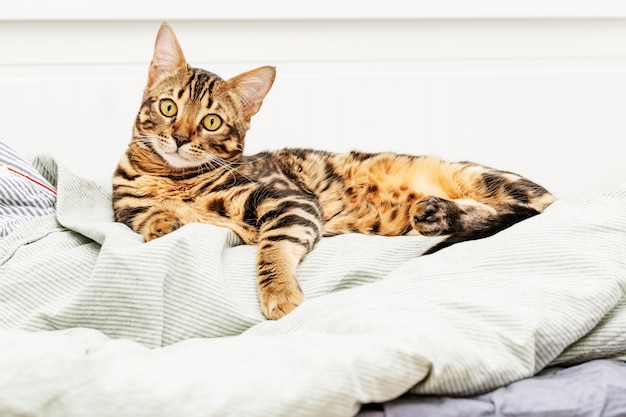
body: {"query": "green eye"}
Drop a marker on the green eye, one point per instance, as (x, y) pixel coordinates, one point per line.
(211, 122)
(168, 107)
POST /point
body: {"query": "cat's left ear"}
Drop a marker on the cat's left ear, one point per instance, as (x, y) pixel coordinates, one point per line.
(252, 87)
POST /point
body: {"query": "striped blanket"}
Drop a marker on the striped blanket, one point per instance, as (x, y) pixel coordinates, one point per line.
(95, 322)
(24, 192)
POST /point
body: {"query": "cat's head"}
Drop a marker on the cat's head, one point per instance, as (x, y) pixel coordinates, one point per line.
(191, 117)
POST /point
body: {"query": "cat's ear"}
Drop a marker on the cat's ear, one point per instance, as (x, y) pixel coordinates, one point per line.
(252, 86)
(168, 56)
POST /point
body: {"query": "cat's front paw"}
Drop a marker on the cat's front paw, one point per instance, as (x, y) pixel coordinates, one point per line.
(277, 303)
(434, 216)
(162, 225)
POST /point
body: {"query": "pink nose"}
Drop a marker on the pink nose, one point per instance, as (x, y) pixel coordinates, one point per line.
(180, 139)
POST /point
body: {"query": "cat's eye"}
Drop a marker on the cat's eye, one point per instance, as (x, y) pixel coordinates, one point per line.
(211, 122)
(168, 107)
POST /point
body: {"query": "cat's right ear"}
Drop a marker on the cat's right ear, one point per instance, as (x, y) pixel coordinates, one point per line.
(168, 55)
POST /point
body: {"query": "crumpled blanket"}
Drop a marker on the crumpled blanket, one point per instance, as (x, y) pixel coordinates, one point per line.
(24, 193)
(95, 322)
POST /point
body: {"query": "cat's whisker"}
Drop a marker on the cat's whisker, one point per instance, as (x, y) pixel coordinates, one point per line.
(138, 140)
(232, 170)
(251, 160)
(207, 161)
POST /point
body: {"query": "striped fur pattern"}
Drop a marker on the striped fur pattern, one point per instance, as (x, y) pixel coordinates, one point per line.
(185, 164)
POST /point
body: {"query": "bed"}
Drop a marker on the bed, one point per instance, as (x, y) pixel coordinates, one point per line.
(529, 322)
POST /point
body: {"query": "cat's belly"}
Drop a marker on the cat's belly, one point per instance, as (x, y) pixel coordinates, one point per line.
(370, 216)
(377, 197)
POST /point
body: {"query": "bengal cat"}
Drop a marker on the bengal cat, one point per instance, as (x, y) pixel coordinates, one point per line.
(185, 164)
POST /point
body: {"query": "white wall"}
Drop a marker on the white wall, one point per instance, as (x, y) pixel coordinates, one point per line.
(525, 86)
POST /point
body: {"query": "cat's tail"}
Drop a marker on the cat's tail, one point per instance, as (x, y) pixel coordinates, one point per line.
(489, 227)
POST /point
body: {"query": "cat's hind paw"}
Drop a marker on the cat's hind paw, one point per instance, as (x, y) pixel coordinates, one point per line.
(434, 216)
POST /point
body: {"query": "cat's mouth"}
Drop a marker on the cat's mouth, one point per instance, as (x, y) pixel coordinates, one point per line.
(178, 159)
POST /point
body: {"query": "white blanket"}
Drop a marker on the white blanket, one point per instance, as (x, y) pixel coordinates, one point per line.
(96, 323)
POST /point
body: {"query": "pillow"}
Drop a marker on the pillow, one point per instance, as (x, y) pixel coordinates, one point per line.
(24, 193)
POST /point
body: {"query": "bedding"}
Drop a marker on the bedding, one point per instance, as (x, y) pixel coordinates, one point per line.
(595, 388)
(24, 192)
(95, 322)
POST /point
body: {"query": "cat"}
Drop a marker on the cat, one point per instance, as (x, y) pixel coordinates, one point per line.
(185, 163)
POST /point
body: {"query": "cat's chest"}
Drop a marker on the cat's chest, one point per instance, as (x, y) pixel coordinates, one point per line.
(223, 196)
(166, 188)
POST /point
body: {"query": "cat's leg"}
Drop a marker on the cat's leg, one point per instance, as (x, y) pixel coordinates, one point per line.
(170, 215)
(164, 218)
(278, 288)
(463, 220)
(283, 242)
(491, 201)
(435, 216)
(161, 224)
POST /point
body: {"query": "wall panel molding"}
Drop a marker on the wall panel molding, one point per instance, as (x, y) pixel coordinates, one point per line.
(544, 95)
(210, 10)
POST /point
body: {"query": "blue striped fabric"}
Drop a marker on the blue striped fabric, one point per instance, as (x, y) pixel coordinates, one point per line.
(24, 192)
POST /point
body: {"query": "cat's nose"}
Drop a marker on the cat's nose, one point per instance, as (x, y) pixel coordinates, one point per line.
(181, 139)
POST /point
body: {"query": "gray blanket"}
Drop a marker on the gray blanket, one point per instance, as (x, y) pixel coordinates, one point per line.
(591, 389)
(95, 322)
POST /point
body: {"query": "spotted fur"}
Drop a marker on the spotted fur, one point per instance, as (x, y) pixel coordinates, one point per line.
(185, 164)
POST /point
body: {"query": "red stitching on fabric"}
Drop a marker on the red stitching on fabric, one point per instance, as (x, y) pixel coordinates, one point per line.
(15, 171)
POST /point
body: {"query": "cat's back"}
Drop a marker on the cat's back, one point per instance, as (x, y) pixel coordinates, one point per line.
(322, 171)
